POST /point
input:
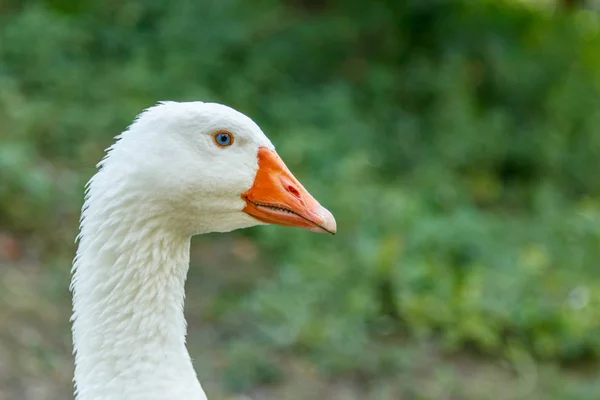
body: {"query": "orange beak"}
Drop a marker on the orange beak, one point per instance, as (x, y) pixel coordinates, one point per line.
(278, 198)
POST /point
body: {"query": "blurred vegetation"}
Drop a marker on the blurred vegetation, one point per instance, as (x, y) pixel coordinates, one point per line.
(455, 142)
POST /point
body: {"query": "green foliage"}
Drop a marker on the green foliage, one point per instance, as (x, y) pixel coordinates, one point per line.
(455, 143)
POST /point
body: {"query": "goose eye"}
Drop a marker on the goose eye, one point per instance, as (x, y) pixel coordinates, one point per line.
(223, 139)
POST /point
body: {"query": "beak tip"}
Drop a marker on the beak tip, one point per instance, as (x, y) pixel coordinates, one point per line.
(329, 223)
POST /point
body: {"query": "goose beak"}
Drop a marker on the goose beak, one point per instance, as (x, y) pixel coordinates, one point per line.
(276, 197)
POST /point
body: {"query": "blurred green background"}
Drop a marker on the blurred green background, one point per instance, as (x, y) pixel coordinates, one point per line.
(456, 142)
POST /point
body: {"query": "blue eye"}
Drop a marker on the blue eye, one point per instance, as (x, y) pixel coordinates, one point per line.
(223, 139)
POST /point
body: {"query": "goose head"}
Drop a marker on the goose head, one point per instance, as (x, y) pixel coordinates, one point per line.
(205, 167)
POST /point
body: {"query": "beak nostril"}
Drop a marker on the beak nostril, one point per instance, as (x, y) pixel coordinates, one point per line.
(293, 191)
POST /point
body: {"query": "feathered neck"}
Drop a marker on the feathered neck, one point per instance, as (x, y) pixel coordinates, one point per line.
(128, 294)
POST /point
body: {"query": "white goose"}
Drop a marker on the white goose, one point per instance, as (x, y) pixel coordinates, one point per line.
(180, 169)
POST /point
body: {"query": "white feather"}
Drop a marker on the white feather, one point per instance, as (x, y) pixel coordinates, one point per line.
(162, 181)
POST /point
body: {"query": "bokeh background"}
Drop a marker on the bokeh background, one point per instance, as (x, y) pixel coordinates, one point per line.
(456, 142)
